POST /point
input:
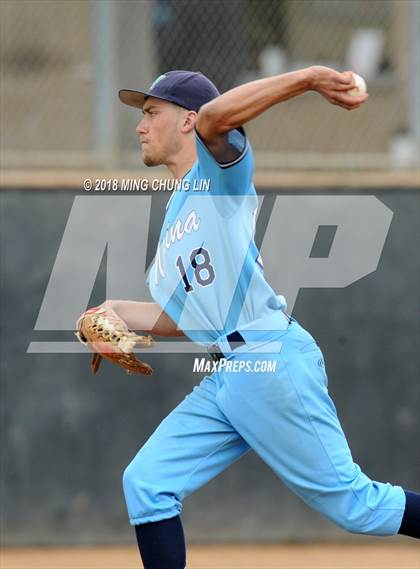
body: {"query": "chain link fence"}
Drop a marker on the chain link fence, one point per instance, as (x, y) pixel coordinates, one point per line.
(63, 61)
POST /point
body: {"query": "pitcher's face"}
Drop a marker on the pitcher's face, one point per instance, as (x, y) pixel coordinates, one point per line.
(160, 131)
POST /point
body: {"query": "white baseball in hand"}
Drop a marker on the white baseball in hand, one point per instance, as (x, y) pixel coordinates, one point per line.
(360, 86)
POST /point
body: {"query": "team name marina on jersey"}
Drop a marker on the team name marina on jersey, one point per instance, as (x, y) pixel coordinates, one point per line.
(174, 233)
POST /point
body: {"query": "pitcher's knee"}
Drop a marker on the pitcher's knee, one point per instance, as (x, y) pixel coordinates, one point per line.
(148, 497)
(373, 509)
(140, 488)
(130, 480)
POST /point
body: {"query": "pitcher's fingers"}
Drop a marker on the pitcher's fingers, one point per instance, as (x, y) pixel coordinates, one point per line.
(347, 78)
(350, 100)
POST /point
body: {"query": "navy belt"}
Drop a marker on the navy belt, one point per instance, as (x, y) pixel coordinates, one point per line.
(235, 340)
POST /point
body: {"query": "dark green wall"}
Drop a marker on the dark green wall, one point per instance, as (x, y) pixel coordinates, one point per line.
(67, 435)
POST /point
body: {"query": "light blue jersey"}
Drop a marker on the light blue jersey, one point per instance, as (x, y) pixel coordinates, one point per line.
(208, 277)
(207, 274)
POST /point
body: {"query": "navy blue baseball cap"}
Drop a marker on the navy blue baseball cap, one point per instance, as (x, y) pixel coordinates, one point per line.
(188, 89)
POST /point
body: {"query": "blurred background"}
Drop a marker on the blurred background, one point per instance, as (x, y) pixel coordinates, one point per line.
(62, 63)
(67, 436)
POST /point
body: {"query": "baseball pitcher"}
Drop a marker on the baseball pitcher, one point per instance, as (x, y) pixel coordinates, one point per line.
(208, 283)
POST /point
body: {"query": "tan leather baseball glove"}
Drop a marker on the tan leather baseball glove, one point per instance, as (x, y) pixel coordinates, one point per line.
(110, 338)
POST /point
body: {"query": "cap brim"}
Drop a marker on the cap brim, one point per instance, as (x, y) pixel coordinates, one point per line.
(132, 98)
(138, 98)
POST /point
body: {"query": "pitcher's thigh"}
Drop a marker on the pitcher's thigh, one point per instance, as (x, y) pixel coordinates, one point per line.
(289, 419)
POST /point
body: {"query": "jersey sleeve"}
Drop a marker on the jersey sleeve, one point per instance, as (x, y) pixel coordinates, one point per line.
(232, 178)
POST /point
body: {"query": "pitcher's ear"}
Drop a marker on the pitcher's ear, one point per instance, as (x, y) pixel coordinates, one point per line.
(189, 121)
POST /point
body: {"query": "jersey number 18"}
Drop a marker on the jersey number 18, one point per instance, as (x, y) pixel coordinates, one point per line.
(203, 270)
